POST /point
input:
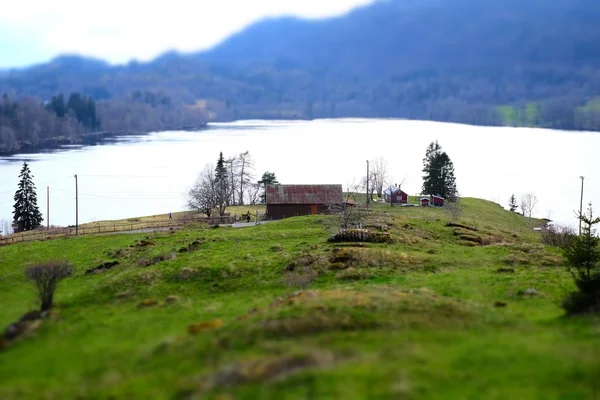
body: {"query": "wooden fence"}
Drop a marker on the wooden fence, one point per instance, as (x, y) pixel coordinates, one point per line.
(109, 228)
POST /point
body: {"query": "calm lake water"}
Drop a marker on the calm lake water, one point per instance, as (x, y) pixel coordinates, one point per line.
(151, 174)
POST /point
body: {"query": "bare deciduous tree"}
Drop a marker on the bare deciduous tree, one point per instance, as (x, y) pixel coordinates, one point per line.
(379, 172)
(245, 169)
(254, 193)
(454, 209)
(46, 278)
(370, 186)
(231, 164)
(202, 196)
(528, 203)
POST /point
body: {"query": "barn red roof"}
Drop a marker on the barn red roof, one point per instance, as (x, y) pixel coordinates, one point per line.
(305, 194)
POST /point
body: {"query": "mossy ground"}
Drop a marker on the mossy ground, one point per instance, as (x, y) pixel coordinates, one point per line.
(432, 315)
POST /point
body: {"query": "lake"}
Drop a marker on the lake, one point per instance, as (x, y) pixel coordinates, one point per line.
(151, 174)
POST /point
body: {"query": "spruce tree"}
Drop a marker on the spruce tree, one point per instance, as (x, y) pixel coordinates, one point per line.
(439, 177)
(221, 185)
(512, 203)
(26, 214)
(583, 262)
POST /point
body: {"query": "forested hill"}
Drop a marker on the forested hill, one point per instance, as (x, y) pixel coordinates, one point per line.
(509, 62)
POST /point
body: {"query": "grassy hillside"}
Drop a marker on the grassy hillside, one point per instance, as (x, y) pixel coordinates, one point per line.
(440, 313)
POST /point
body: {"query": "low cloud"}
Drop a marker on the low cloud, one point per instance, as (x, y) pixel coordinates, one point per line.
(121, 30)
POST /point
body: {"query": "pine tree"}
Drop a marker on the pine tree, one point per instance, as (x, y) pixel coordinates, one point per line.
(26, 214)
(512, 203)
(268, 178)
(439, 173)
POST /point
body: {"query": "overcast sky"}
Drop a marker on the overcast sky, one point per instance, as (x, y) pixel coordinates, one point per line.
(33, 31)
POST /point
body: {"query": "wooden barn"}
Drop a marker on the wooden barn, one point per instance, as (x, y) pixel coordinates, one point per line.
(437, 201)
(285, 201)
(395, 196)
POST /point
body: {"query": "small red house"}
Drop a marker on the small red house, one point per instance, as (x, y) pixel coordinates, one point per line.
(425, 201)
(395, 196)
(437, 201)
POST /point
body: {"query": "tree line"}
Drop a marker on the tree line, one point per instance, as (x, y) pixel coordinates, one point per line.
(29, 123)
(230, 183)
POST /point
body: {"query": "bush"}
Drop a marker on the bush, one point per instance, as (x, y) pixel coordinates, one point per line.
(558, 236)
(46, 278)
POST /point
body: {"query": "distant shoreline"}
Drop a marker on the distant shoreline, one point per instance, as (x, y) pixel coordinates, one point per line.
(87, 139)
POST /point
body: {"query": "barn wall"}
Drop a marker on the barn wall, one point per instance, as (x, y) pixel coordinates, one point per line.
(279, 211)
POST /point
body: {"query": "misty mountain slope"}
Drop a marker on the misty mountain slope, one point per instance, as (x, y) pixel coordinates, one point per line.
(529, 62)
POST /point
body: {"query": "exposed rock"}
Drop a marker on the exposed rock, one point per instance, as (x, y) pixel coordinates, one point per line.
(499, 304)
(144, 262)
(102, 267)
(530, 292)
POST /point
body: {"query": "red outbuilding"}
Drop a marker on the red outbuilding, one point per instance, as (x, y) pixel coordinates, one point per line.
(437, 201)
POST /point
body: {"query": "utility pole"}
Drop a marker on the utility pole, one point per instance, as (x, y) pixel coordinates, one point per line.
(76, 207)
(47, 207)
(367, 183)
(581, 204)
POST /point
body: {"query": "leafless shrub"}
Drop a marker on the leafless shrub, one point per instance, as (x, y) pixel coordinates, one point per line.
(558, 236)
(352, 217)
(454, 210)
(46, 278)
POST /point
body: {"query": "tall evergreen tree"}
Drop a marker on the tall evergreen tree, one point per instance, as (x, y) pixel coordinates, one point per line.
(221, 185)
(26, 214)
(439, 173)
(512, 203)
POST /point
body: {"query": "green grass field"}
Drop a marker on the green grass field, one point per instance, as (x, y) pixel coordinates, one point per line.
(438, 314)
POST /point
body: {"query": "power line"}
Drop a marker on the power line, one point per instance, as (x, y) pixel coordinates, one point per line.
(134, 176)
